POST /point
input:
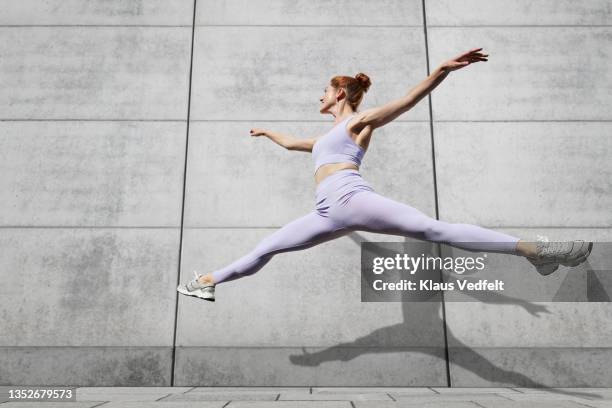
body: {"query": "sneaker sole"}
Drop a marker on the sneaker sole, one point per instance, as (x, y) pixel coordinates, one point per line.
(544, 268)
(547, 268)
(194, 294)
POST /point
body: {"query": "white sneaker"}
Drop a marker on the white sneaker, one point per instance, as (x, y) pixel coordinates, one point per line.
(551, 254)
(195, 288)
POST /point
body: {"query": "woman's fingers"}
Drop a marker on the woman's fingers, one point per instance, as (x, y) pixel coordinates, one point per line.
(473, 52)
(257, 132)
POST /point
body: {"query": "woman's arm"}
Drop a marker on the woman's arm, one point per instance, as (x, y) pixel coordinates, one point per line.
(286, 141)
(380, 116)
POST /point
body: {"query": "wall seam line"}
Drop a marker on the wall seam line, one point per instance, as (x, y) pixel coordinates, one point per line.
(433, 160)
(180, 246)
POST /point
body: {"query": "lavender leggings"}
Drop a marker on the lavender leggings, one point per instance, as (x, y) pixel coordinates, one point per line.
(345, 202)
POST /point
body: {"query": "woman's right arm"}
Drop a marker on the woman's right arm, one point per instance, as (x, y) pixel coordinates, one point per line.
(286, 141)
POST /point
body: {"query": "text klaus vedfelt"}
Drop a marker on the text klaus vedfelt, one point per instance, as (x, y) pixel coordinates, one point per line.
(413, 264)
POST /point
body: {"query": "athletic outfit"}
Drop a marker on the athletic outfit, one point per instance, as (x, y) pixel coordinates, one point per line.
(345, 202)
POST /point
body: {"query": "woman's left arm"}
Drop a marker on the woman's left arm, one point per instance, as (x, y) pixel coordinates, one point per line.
(380, 116)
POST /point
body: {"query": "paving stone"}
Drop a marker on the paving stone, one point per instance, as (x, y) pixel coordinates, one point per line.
(110, 396)
(224, 396)
(167, 404)
(401, 395)
(132, 390)
(404, 404)
(45, 404)
(451, 398)
(390, 390)
(600, 404)
(248, 389)
(586, 393)
(343, 396)
(475, 390)
(126, 393)
(548, 397)
(290, 404)
(530, 404)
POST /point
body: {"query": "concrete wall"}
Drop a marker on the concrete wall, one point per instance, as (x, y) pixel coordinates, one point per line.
(127, 164)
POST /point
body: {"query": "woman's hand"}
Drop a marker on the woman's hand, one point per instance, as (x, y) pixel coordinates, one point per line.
(463, 60)
(258, 132)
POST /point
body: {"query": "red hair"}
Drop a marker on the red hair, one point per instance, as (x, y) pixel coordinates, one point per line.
(354, 87)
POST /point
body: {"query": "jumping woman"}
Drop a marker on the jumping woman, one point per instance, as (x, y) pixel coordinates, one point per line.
(345, 202)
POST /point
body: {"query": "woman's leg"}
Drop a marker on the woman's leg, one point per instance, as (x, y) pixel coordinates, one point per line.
(373, 212)
(301, 233)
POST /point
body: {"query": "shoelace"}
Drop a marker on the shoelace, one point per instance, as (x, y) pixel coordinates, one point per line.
(195, 283)
(192, 284)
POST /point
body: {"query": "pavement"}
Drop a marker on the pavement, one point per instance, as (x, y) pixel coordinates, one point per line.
(328, 397)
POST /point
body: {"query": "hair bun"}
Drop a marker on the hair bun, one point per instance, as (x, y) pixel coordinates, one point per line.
(363, 80)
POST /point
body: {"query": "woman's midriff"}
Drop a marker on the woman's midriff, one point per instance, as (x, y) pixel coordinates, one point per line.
(327, 169)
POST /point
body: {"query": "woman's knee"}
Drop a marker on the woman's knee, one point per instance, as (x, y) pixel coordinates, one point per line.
(436, 230)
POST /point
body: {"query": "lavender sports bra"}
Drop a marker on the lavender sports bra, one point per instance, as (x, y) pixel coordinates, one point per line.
(337, 146)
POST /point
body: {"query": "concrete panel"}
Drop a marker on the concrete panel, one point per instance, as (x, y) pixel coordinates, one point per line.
(94, 72)
(533, 344)
(92, 173)
(86, 366)
(235, 180)
(308, 12)
(113, 12)
(274, 65)
(338, 366)
(530, 75)
(525, 173)
(517, 12)
(86, 287)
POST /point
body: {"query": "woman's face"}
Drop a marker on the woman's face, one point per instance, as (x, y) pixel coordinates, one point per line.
(329, 98)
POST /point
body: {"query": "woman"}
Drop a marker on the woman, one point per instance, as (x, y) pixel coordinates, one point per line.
(345, 202)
